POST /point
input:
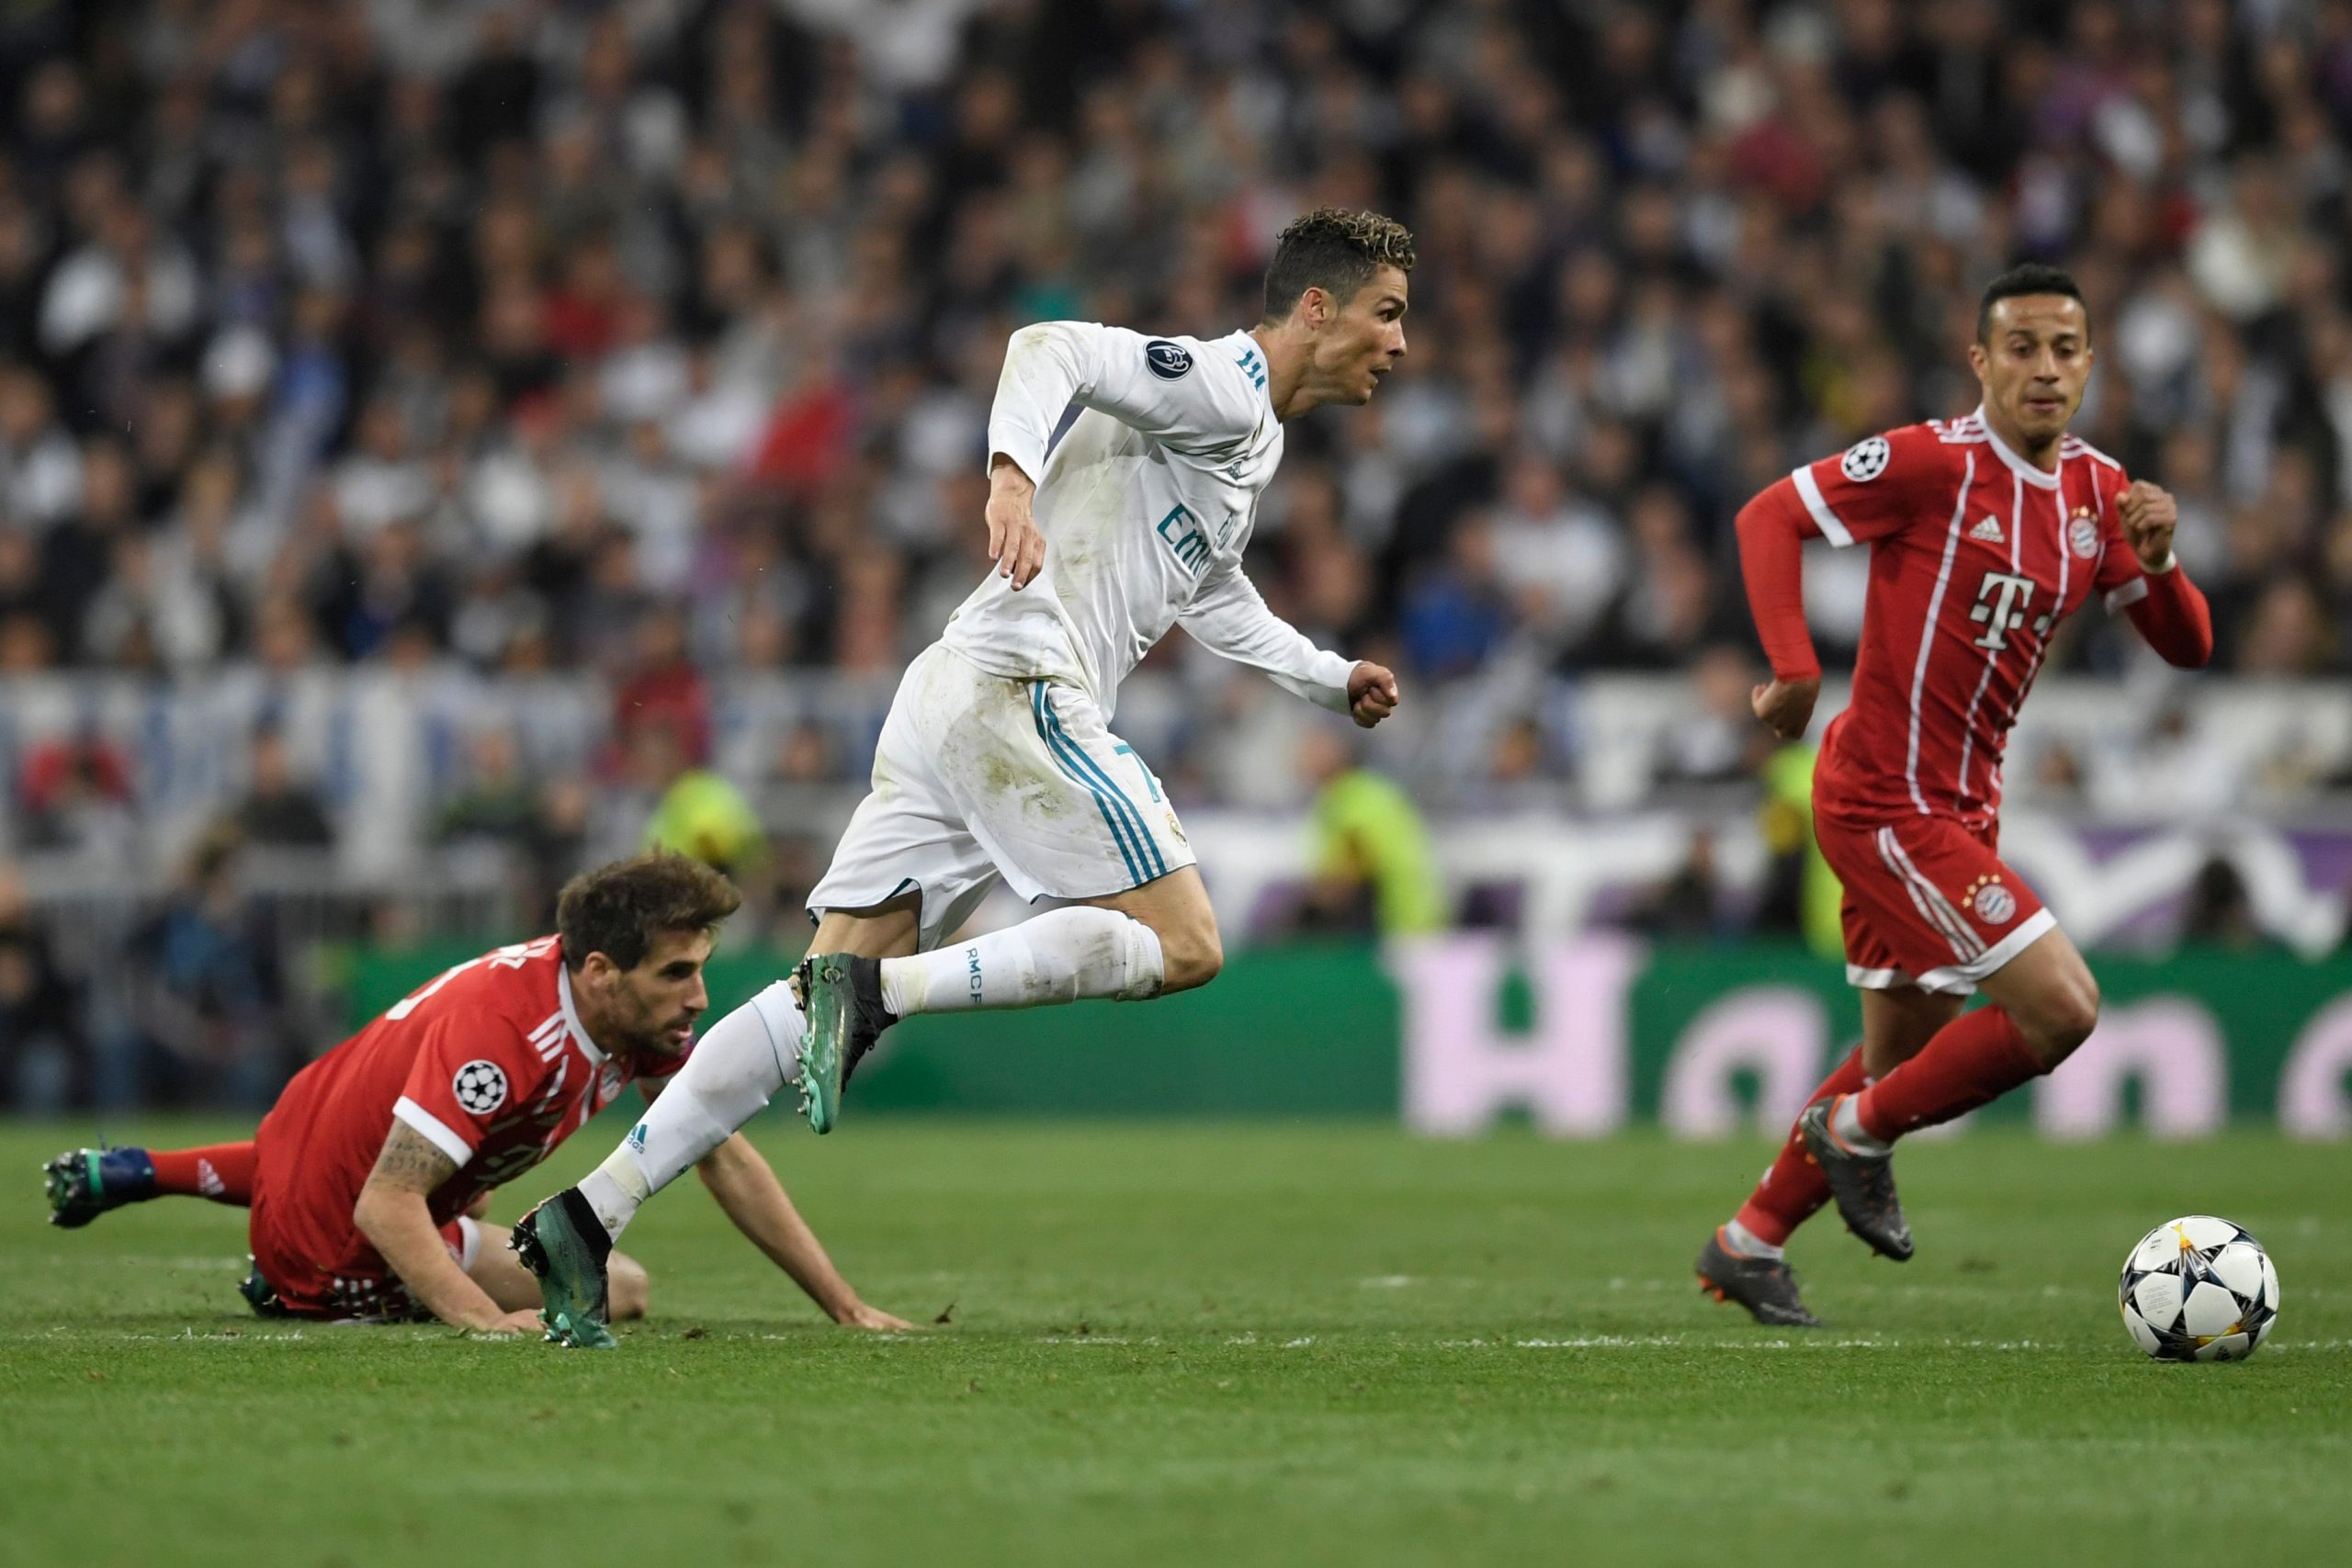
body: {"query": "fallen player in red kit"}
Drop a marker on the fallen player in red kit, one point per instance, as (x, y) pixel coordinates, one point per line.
(366, 1179)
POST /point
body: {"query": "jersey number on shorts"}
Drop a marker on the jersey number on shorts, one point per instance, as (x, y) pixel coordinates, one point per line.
(2001, 601)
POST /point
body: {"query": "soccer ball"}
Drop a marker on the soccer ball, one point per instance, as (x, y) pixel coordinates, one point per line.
(2198, 1289)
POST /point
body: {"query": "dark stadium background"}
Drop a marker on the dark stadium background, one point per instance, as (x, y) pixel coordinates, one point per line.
(432, 429)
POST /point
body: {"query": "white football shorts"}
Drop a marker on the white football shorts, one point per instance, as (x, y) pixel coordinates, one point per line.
(980, 776)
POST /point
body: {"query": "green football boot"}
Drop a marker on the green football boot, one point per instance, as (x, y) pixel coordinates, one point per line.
(841, 998)
(564, 1244)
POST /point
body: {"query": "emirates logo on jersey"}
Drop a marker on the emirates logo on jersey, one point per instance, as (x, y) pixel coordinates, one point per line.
(481, 1087)
(1865, 460)
(2083, 533)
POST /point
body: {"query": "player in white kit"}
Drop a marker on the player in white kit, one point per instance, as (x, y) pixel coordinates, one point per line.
(1124, 473)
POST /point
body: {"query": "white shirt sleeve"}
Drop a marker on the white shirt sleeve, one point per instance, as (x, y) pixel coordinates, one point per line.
(1229, 617)
(1177, 390)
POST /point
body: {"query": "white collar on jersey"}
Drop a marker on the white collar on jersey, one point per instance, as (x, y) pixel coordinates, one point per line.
(2029, 472)
(578, 1030)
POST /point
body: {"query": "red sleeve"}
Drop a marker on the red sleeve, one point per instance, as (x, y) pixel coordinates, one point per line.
(1772, 531)
(1877, 487)
(469, 1070)
(2172, 615)
(2169, 610)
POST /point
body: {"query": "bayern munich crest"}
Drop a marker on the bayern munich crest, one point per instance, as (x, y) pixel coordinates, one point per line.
(1994, 904)
(2083, 533)
(481, 1087)
(1865, 460)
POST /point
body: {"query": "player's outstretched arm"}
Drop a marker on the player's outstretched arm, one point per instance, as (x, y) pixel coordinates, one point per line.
(392, 1214)
(2168, 610)
(1771, 564)
(1227, 616)
(747, 1191)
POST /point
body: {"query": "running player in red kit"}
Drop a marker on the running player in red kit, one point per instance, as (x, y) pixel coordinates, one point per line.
(367, 1177)
(1985, 532)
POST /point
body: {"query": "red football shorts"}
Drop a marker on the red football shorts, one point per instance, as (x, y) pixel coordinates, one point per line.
(354, 1285)
(1928, 902)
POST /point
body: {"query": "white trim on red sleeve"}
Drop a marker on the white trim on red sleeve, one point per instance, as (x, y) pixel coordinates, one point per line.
(436, 1131)
(2129, 594)
(1832, 528)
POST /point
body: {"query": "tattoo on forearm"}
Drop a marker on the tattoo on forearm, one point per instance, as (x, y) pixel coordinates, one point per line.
(410, 1163)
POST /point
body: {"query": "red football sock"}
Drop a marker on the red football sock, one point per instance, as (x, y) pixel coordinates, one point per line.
(1974, 1059)
(1793, 1189)
(223, 1173)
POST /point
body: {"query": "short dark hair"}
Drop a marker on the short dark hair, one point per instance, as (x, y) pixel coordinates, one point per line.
(1336, 251)
(2026, 278)
(622, 908)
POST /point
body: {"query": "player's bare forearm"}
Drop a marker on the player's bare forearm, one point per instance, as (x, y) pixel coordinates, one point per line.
(1016, 547)
(392, 1214)
(750, 1196)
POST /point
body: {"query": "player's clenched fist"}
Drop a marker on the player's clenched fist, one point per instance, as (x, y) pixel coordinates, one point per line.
(2149, 516)
(1786, 707)
(1015, 545)
(1372, 693)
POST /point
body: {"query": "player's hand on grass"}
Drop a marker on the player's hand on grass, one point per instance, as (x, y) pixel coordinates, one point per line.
(1372, 693)
(506, 1323)
(2149, 516)
(1015, 546)
(1786, 707)
(857, 1314)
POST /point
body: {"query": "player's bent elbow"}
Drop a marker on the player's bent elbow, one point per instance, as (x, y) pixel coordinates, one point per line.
(629, 1287)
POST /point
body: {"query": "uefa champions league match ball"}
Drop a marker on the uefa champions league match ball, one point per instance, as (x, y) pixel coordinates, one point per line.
(2198, 1289)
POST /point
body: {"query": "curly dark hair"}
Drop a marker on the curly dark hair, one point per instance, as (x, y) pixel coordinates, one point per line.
(622, 908)
(1336, 251)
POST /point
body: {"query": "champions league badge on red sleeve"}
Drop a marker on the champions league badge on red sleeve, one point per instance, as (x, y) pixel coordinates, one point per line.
(481, 1087)
(1865, 459)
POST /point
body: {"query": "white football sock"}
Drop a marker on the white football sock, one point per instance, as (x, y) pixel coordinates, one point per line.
(1744, 1243)
(1847, 1122)
(736, 1068)
(1058, 956)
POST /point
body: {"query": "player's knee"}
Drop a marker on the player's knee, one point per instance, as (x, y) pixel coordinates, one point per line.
(1191, 955)
(2064, 1019)
(630, 1288)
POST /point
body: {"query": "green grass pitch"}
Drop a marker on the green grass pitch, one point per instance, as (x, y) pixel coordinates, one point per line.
(1246, 1343)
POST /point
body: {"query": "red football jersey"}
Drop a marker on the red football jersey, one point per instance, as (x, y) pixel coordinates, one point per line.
(489, 1062)
(1976, 555)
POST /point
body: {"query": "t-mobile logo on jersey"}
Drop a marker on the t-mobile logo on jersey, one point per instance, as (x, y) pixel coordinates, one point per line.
(2001, 601)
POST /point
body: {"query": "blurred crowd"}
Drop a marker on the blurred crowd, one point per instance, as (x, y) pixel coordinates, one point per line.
(478, 330)
(471, 345)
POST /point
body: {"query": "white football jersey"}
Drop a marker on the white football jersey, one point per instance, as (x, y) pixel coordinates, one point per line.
(1149, 455)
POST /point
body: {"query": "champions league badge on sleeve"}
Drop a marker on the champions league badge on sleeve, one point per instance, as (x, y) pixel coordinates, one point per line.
(481, 1087)
(1866, 460)
(1168, 361)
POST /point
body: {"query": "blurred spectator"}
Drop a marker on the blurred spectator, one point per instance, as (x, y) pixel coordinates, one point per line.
(206, 993)
(42, 1052)
(76, 798)
(1721, 743)
(2219, 912)
(278, 811)
(695, 812)
(1689, 904)
(1373, 870)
